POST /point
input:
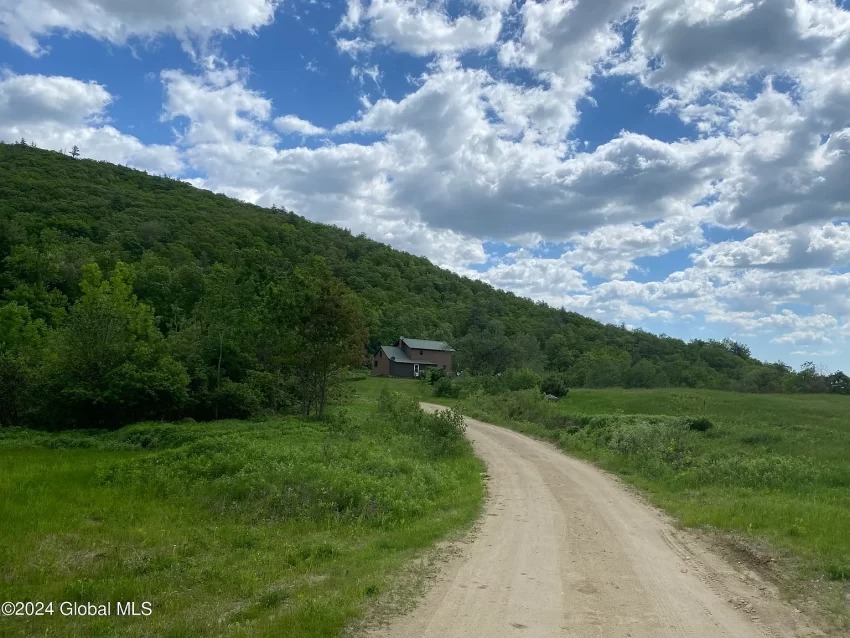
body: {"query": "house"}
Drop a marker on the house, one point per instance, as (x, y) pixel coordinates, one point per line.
(411, 357)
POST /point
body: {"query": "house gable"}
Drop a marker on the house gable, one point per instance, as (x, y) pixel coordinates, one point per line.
(407, 355)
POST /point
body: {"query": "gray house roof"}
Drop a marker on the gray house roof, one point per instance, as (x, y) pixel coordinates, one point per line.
(425, 344)
(397, 354)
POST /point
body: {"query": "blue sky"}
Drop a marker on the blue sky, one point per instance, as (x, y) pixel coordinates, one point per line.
(681, 171)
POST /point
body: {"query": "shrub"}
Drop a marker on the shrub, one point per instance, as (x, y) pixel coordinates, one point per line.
(522, 379)
(441, 433)
(698, 424)
(433, 375)
(555, 384)
(235, 401)
(445, 387)
(446, 432)
(275, 393)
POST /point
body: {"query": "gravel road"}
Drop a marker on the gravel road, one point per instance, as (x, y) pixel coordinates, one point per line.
(564, 549)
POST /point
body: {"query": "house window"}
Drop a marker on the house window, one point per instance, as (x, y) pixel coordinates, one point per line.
(376, 364)
(420, 353)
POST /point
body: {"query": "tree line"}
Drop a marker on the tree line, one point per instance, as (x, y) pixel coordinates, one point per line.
(125, 295)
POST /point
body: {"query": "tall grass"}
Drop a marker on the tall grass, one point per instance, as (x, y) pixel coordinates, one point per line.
(277, 528)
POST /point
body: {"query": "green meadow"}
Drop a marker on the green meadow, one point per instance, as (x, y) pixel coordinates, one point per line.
(280, 527)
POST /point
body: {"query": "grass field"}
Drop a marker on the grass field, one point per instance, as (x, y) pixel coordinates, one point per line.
(770, 478)
(275, 528)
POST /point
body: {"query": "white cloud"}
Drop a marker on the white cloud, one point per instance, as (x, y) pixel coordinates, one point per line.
(825, 246)
(550, 280)
(354, 46)
(40, 98)
(219, 107)
(59, 112)
(566, 38)
(116, 21)
(419, 27)
(360, 73)
(706, 44)
(476, 158)
(294, 124)
(802, 336)
(611, 251)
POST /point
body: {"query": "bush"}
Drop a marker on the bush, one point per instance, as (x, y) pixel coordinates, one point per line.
(446, 431)
(522, 379)
(275, 393)
(433, 375)
(698, 424)
(235, 401)
(440, 433)
(445, 387)
(555, 384)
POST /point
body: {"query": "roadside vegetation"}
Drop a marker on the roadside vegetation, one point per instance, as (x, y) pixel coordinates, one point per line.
(281, 527)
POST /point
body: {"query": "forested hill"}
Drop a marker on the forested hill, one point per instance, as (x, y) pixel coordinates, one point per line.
(78, 233)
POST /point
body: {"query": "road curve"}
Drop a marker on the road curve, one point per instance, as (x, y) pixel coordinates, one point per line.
(563, 549)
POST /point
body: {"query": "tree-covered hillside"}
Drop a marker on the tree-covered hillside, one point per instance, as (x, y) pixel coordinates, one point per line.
(124, 295)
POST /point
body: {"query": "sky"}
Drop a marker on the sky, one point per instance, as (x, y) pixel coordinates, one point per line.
(680, 167)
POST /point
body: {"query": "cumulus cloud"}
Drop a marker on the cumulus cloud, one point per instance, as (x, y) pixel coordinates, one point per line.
(825, 246)
(294, 124)
(611, 251)
(473, 161)
(218, 106)
(59, 112)
(706, 44)
(566, 38)
(420, 28)
(550, 280)
(40, 98)
(116, 21)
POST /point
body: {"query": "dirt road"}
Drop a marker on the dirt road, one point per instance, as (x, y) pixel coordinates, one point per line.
(565, 550)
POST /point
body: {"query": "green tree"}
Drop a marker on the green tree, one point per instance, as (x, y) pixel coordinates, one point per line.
(555, 384)
(559, 353)
(486, 350)
(839, 383)
(22, 353)
(605, 368)
(527, 353)
(810, 380)
(643, 374)
(328, 332)
(114, 366)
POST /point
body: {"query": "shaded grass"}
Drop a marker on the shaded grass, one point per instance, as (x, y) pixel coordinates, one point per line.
(278, 528)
